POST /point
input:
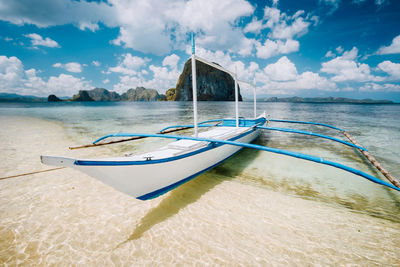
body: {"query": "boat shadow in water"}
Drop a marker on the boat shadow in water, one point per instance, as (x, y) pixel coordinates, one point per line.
(191, 191)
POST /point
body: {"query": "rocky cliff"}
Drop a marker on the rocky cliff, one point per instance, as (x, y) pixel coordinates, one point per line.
(142, 94)
(53, 98)
(212, 84)
(101, 94)
(83, 96)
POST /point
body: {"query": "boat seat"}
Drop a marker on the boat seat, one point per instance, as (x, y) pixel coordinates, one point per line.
(219, 133)
(186, 144)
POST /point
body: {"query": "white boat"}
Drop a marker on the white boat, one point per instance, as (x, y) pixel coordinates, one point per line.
(154, 173)
(151, 174)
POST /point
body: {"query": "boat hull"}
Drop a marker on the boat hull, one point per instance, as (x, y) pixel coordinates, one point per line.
(146, 180)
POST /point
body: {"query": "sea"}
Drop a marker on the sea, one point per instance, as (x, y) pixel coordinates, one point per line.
(256, 208)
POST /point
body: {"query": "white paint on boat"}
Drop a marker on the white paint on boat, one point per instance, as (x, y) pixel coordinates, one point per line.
(148, 176)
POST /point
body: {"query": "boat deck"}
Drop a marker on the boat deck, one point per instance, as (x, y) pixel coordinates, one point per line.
(181, 147)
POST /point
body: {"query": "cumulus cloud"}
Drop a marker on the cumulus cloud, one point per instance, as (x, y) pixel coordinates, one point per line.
(375, 87)
(281, 25)
(393, 48)
(14, 79)
(339, 49)
(272, 48)
(282, 77)
(330, 54)
(57, 12)
(11, 71)
(282, 31)
(393, 69)
(38, 40)
(255, 26)
(140, 22)
(282, 70)
(346, 68)
(129, 65)
(285, 27)
(171, 61)
(136, 74)
(71, 66)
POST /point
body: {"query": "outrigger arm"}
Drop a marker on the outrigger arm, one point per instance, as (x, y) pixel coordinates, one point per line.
(214, 142)
(312, 134)
(274, 129)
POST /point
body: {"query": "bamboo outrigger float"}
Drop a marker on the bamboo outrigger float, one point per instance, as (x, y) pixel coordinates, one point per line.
(152, 174)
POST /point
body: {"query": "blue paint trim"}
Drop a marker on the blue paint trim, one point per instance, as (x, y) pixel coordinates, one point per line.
(179, 126)
(210, 121)
(309, 122)
(168, 188)
(312, 134)
(282, 152)
(213, 144)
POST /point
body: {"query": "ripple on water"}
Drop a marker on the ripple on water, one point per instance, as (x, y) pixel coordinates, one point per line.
(255, 209)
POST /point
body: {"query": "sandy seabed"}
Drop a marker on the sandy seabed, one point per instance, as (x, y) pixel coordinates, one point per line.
(67, 218)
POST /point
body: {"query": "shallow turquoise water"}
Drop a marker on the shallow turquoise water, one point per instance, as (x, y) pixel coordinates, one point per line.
(376, 127)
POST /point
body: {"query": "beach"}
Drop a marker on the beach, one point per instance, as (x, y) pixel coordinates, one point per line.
(226, 216)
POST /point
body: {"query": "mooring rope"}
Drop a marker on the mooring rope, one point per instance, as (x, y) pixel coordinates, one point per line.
(29, 173)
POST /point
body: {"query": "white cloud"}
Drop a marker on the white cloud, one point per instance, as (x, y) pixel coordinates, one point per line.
(96, 63)
(71, 66)
(339, 49)
(105, 81)
(272, 48)
(283, 26)
(298, 27)
(346, 68)
(11, 71)
(163, 79)
(375, 87)
(54, 12)
(393, 69)
(171, 60)
(281, 77)
(282, 70)
(38, 40)
(149, 26)
(393, 48)
(129, 65)
(255, 26)
(330, 54)
(14, 79)
(133, 68)
(88, 25)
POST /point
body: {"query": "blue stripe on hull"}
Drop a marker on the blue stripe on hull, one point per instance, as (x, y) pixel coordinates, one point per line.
(168, 188)
(123, 163)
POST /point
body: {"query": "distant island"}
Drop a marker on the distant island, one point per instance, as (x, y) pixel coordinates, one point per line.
(213, 85)
(143, 94)
(101, 94)
(329, 99)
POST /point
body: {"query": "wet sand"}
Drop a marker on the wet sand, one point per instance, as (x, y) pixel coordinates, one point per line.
(67, 218)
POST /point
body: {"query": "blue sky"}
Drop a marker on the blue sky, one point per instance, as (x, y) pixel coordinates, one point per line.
(304, 48)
